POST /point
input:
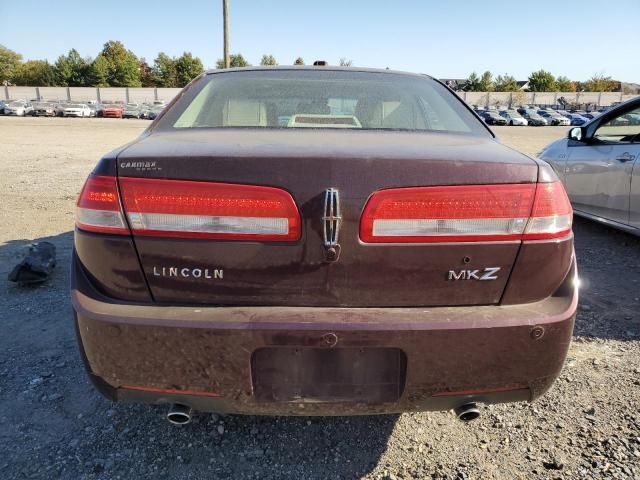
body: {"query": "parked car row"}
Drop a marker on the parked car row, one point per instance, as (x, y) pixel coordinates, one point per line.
(534, 116)
(148, 111)
(34, 108)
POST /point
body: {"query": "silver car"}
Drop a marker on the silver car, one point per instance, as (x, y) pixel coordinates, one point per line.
(598, 163)
(19, 108)
(514, 118)
(554, 118)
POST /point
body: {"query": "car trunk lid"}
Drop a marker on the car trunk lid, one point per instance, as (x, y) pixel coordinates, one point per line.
(308, 165)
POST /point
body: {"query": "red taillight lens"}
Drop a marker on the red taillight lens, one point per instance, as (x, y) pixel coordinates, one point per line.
(465, 213)
(179, 208)
(552, 214)
(98, 207)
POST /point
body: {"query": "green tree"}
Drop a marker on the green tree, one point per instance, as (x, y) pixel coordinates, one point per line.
(346, 63)
(99, 72)
(235, 60)
(35, 73)
(124, 68)
(72, 70)
(473, 83)
(80, 69)
(599, 82)
(164, 71)
(542, 81)
(62, 71)
(506, 83)
(268, 60)
(188, 67)
(486, 82)
(9, 62)
(299, 61)
(563, 84)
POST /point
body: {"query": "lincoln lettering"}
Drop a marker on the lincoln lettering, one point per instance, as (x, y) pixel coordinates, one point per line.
(185, 272)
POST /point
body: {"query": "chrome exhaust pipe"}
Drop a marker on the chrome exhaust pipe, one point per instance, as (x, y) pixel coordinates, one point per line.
(179, 414)
(467, 412)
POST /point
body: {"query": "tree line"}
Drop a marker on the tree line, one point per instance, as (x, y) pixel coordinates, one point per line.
(538, 81)
(114, 66)
(237, 60)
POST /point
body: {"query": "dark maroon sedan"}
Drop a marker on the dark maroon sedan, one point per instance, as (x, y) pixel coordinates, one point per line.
(322, 241)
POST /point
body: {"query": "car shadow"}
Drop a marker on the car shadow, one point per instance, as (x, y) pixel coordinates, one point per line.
(238, 446)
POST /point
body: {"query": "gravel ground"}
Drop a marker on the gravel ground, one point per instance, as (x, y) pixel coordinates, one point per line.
(54, 425)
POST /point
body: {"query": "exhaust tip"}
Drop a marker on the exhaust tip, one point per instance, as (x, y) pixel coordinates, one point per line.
(179, 414)
(467, 412)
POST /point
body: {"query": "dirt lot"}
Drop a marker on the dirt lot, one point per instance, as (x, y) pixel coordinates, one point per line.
(54, 425)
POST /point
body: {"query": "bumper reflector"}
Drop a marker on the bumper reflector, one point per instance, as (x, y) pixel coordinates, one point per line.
(480, 391)
(170, 391)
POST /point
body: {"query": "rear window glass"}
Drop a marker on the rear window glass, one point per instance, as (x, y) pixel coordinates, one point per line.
(280, 99)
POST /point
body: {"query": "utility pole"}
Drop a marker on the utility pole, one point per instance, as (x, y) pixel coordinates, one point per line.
(225, 14)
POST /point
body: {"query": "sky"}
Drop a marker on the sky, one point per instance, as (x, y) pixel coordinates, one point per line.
(445, 39)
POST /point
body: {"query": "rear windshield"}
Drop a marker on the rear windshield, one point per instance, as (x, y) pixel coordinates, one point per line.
(280, 99)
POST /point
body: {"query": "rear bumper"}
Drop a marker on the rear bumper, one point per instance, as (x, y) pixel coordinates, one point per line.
(203, 356)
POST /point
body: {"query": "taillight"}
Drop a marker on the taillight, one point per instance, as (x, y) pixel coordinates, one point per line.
(180, 208)
(98, 207)
(552, 214)
(466, 213)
